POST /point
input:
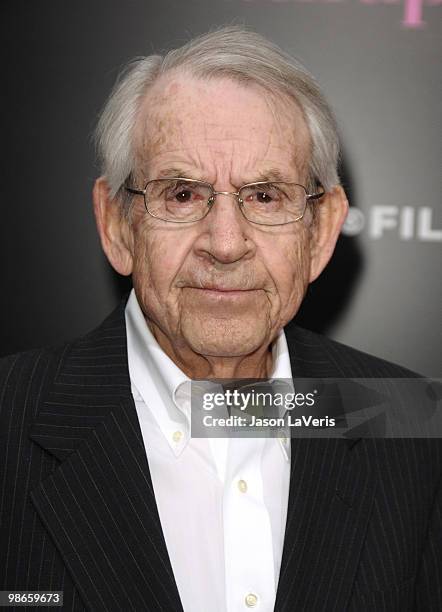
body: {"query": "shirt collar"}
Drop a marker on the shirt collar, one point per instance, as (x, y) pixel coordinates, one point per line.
(282, 369)
(158, 381)
(155, 377)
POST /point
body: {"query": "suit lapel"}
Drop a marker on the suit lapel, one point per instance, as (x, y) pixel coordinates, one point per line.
(330, 500)
(99, 504)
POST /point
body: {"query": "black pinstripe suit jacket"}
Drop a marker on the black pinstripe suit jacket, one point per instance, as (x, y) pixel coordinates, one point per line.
(78, 510)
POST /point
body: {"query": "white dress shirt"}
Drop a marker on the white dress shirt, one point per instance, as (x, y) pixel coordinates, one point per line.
(222, 502)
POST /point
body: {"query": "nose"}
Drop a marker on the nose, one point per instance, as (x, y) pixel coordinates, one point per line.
(226, 237)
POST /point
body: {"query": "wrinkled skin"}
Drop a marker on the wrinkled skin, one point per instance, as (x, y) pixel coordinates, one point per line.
(216, 292)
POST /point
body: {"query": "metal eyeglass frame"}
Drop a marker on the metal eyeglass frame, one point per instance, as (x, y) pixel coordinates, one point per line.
(210, 202)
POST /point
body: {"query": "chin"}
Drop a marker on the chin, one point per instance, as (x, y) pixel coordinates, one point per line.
(225, 338)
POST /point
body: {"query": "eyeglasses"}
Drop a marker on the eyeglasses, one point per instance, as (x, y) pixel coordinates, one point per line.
(184, 200)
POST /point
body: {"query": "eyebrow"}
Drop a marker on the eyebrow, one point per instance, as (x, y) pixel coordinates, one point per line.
(270, 175)
(174, 172)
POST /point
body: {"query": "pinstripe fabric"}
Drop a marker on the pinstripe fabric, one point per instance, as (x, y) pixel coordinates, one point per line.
(78, 511)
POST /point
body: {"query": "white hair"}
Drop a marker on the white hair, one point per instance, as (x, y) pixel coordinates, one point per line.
(231, 52)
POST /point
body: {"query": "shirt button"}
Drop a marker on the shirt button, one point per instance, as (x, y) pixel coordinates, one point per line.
(177, 435)
(242, 486)
(251, 600)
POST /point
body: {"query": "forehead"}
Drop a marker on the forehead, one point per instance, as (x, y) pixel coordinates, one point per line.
(215, 126)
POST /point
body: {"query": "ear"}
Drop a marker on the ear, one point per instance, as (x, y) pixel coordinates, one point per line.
(330, 216)
(113, 228)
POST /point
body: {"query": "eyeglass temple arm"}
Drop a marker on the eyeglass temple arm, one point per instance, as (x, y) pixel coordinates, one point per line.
(136, 191)
(315, 196)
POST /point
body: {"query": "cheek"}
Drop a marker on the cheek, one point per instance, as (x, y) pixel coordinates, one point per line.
(158, 257)
(288, 264)
(299, 259)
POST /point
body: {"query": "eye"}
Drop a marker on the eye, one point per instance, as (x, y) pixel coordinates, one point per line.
(261, 194)
(263, 197)
(184, 195)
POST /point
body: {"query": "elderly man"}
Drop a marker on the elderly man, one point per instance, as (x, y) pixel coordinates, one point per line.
(220, 196)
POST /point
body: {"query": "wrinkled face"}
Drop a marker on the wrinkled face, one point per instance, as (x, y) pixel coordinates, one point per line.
(221, 286)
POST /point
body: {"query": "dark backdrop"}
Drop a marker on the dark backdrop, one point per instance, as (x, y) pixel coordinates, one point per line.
(378, 62)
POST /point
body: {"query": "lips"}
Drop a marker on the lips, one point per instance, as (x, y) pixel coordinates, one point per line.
(223, 289)
(214, 294)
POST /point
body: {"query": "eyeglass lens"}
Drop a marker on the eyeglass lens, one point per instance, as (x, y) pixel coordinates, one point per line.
(186, 200)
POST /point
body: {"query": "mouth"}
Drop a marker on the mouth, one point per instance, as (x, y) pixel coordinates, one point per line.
(223, 292)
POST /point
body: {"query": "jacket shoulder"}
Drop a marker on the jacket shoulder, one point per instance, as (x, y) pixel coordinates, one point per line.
(322, 356)
(26, 377)
(23, 377)
(22, 369)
